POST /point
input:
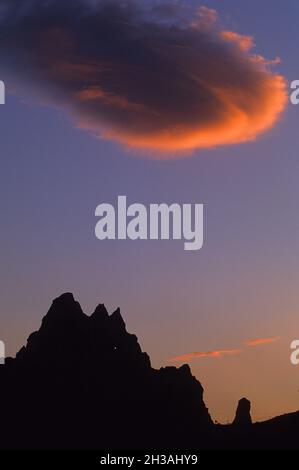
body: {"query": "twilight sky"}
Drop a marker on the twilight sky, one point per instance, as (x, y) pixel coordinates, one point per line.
(231, 309)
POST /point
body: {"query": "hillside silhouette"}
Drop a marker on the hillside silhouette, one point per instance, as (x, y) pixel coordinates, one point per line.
(83, 382)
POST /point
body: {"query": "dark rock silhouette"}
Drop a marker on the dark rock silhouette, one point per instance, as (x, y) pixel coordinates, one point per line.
(84, 383)
(243, 417)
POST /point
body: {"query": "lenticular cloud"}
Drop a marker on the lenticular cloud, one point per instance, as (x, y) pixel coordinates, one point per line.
(162, 77)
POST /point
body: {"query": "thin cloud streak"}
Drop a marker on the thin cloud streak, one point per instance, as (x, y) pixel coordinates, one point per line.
(201, 354)
(223, 352)
(258, 341)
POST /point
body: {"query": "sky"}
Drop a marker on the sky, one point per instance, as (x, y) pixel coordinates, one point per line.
(202, 307)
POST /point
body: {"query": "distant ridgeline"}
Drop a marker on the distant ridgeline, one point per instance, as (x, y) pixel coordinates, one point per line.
(83, 382)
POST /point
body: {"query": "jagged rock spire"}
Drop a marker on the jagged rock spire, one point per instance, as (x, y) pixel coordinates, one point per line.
(243, 417)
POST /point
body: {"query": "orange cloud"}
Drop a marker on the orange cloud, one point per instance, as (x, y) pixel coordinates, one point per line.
(237, 125)
(258, 341)
(200, 355)
(245, 43)
(136, 74)
(204, 18)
